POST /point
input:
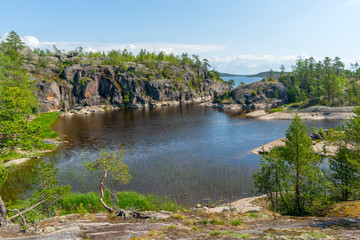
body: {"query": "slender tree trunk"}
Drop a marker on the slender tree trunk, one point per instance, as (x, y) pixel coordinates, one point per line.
(101, 199)
(3, 213)
(297, 190)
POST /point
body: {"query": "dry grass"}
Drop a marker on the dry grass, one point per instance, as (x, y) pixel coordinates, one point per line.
(343, 209)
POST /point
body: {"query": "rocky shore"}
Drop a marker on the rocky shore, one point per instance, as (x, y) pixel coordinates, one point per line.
(262, 224)
(311, 113)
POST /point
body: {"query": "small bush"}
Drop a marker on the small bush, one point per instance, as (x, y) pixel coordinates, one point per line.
(45, 121)
(273, 110)
(254, 93)
(216, 222)
(145, 202)
(245, 235)
(236, 222)
(80, 203)
(253, 215)
(204, 221)
(178, 216)
(214, 233)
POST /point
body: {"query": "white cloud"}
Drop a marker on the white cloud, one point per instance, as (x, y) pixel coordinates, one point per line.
(176, 48)
(353, 3)
(249, 64)
(31, 41)
(242, 64)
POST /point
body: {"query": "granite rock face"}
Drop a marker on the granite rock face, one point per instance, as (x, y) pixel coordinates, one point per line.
(83, 85)
(260, 95)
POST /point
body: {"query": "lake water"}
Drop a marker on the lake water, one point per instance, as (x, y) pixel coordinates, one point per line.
(189, 153)
(240, 79)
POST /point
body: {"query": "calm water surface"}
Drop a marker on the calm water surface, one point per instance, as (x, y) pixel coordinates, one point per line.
(240, 79)
(189, 153)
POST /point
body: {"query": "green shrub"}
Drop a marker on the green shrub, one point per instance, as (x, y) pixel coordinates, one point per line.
(214, 233)
(246, 235)
(253, 215)
(273, 110)
(236, 222)
(133, 200)
(131, 73)
(80, 203)
(254, 93)
(44, 121)
(43, 61)
(216, 222)
(204, 221)
(189, 84)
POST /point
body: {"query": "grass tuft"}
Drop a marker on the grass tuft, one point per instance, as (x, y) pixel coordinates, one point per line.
(273, 110)
(45, 122)
(214, 233)
(133, 200)
(80, 203)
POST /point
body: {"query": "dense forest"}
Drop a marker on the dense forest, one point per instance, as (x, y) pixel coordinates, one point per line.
(324, 82)
(17, 102)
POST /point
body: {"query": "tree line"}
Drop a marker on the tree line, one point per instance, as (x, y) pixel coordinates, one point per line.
(324, 82)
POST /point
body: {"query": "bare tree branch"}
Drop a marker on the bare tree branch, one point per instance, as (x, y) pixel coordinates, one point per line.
(19, 214)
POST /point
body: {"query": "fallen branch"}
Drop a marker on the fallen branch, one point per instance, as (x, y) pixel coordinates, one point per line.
(25, 211)
(19, 214)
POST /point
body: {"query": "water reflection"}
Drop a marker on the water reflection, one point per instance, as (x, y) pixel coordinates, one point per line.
(19, 181)
(187, 152)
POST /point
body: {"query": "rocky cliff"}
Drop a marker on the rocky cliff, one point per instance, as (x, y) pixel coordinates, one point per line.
(69, 82)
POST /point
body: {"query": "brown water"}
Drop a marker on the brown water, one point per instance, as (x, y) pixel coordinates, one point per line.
(189, 153)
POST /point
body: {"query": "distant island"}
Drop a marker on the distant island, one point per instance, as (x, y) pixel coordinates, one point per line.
(265, 74)
(230, 75)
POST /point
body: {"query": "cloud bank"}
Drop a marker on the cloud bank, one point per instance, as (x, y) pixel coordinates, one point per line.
(241, 64)
(176, 48)
(249, 64)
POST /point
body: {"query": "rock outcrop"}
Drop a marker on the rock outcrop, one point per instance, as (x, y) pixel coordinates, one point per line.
(81, 85)
(257, 95)
(260, 95)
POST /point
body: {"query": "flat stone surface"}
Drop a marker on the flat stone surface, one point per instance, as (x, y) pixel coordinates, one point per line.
(307, 115)
(256, 114)
(16, 161)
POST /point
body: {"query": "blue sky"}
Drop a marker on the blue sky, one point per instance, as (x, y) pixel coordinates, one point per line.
(237, 36)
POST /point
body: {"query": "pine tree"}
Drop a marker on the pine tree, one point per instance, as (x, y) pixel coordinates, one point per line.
(110, 162)
(47, 188)
(302, 160)
(345, 165)
(290, 175)
(345, 173)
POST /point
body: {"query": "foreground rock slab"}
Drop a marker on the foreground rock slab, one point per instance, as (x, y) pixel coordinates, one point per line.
(96, 230)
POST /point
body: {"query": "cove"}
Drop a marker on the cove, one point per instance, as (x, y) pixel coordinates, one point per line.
(189, 153)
